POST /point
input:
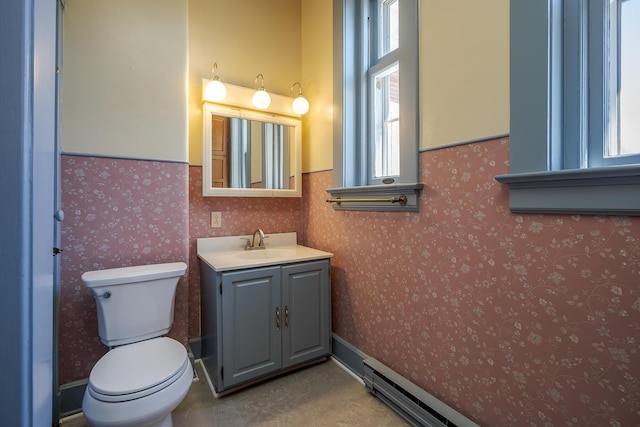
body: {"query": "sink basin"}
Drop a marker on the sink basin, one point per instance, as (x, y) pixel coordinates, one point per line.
(225, 253)
(266, 254)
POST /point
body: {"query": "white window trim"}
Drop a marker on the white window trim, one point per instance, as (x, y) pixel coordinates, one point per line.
(536, 119)
(350, 171)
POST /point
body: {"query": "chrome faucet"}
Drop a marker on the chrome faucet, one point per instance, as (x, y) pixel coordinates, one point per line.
(256, 241)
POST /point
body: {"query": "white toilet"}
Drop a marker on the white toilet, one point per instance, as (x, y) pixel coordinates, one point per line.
(145, 375)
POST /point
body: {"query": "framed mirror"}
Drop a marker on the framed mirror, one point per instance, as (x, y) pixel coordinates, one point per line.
(249, 153)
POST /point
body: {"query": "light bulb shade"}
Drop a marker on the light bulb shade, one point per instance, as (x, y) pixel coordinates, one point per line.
(215, 91)
(261, 99)
(300, 105)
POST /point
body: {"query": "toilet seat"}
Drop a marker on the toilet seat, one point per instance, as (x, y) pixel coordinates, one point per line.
(137, 370)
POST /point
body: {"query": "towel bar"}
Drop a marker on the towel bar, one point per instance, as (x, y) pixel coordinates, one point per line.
(402, 200)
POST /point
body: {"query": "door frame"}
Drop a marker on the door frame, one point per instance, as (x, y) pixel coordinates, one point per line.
(27, 40)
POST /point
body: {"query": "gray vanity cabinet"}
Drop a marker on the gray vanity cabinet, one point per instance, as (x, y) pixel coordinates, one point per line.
(260, 321)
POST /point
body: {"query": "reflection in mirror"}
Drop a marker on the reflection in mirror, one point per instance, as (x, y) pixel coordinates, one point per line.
(250, 153)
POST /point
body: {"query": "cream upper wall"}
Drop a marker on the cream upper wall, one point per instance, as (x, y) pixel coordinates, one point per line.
(244, 38)
(124, 79)
(464, 60)
(317, 77)
(118, 53)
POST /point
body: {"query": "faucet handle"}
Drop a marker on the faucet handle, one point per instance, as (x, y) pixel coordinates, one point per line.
(247, 244)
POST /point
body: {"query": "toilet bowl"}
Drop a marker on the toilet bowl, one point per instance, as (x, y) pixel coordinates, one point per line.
(141, 380)
(138, 384)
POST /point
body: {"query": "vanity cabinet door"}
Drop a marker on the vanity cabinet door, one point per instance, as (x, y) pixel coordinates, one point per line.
(252, 320)
(306, 303)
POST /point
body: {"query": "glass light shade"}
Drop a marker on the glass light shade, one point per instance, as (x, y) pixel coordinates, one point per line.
(300, 105)
(215, 91)
(261, 99)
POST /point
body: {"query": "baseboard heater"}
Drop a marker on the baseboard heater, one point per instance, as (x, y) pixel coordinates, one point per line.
(411, 402)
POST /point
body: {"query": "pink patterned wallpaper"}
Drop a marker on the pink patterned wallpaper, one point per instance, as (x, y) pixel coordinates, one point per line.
(513, 319)
(240, 215)
(118, 213)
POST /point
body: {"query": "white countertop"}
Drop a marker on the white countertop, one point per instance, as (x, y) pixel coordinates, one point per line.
(227, 253)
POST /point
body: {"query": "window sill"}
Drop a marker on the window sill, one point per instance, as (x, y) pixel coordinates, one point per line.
(611, 190)
(385, 192)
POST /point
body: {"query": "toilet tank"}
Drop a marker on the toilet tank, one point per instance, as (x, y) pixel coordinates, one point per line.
(134, 303)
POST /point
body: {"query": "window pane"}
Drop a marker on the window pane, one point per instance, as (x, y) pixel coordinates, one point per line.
(386, 130)
(388, 23)
(629, 79)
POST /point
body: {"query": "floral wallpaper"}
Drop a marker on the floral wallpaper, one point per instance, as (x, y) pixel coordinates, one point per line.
(117, 213)
(240, 215)
(512, 319)
(515, 320)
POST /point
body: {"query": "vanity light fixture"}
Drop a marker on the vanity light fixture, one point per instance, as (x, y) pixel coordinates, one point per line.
(261, 98)
(300, 104)
(215, 89)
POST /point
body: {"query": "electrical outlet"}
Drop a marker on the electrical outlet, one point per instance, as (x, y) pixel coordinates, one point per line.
(216, 219)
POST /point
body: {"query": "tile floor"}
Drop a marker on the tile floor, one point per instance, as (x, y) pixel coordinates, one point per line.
(320, 395)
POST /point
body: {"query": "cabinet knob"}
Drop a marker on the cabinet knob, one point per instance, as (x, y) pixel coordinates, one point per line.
(277, 318)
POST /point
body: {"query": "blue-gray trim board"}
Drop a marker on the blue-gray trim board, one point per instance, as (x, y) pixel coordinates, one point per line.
(71, 395)
(348, 355)
(195, 344)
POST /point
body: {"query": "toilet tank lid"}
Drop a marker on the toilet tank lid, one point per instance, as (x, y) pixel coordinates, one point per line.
(114, 276)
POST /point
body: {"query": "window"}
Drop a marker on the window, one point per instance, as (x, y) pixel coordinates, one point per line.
(628, 35)
(384, 85)
(575, 146)
(385, 150)
(376, 135)
(600, 94)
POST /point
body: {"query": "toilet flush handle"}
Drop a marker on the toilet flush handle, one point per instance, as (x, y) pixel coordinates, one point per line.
(105, 295)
